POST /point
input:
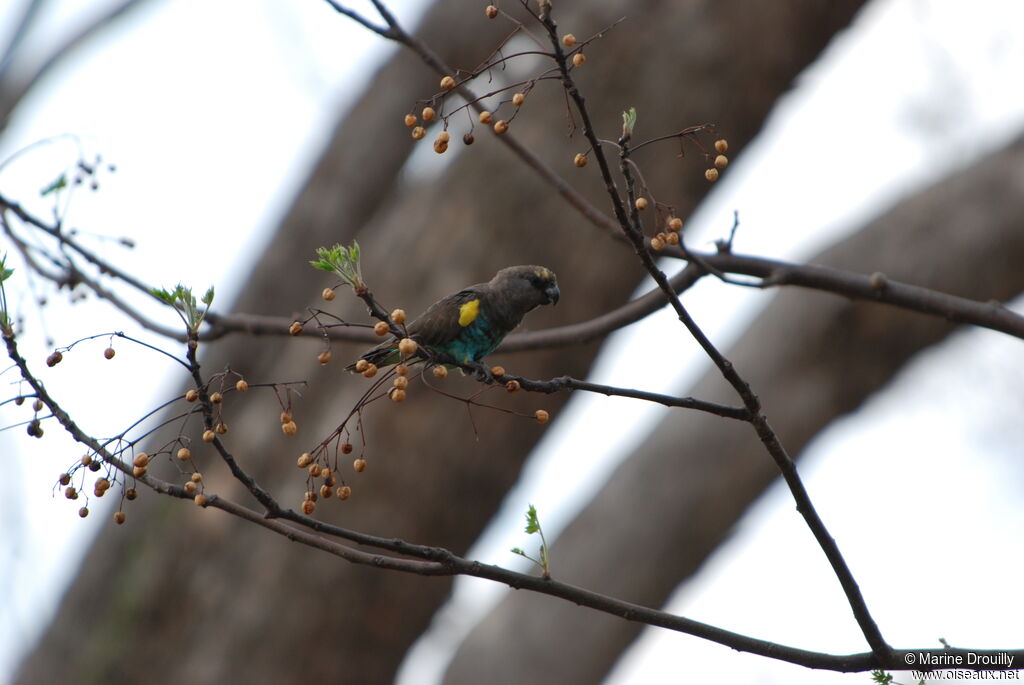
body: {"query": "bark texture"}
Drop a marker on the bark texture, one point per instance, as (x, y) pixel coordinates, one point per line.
(189, 591)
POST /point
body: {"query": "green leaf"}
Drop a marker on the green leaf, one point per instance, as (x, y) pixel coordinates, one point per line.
(59, 183)
(5, 273)
(208, 297)
(532, 523)
(162, 294)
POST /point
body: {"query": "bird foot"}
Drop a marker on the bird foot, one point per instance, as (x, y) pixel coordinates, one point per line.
(482, 373)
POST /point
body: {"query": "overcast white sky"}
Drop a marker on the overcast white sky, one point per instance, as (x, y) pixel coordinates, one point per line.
(260, 81)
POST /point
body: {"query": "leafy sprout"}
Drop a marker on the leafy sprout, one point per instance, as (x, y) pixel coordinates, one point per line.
(5, 316)
(533, 527)
(628, 122)
(343, 261)
(184, 302)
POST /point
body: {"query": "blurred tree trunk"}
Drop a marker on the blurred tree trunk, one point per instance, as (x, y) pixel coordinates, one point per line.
(191, 591)
(811, 357)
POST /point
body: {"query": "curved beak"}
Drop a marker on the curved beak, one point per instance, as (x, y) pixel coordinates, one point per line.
(552, 293)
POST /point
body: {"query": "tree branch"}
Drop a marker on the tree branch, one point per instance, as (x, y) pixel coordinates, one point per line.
(631, 228)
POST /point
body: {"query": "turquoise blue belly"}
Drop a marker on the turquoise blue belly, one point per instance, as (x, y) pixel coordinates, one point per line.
(476, 341)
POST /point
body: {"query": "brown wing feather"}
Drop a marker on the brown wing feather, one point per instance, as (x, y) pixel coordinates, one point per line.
(440, 322)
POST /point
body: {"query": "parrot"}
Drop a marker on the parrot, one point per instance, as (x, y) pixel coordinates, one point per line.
(466, 326)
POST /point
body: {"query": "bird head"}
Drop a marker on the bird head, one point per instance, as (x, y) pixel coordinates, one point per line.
(528, 285)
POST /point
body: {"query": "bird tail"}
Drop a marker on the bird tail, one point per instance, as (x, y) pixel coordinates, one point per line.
(382, 355)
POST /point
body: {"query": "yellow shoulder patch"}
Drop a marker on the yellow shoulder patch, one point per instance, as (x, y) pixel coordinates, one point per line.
(468, 312)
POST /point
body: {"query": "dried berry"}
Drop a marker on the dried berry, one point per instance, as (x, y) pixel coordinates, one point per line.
(418, 133)
(568, 40)
(296, 328)
(711, 174)
(54, 359)
(518, 99)
(721, 146)
(485, 117)
(512, 386)
(380, 328)
(641, 203)
(541, 416)
(580, 160)
(407, 346)
(109, 353)
(397, 395)
(242, 386)
(359, 465)
(428, 114)
(328, 294)
(410, 120)
(675, 224)
(324, 357)
(500, 126)
(439, 372)
(191, 396)
(578, 59)
(721, 161)
(119, 517)
(304, 460)
(491, 11)
(398, 316)
(289, 428)
(209, 436)
(447, 83)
